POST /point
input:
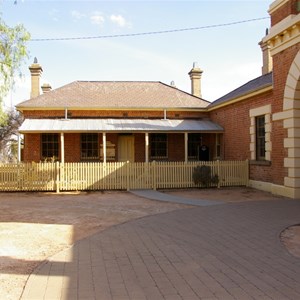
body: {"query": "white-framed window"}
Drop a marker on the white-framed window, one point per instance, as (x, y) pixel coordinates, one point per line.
(260, 138)
(260, 133)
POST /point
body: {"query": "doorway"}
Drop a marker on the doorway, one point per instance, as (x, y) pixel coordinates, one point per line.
(126, 148)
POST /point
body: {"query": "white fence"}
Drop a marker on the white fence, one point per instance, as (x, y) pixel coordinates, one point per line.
(115, 176)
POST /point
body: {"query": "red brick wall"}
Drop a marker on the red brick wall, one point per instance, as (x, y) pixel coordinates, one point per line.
(235, 120)
(176, 147)
(139, 147)
(32, 146)
(282, 62)
(72, 147)
(236, 123)
(278, 152)
(281, 66)
(72, 140)
(285, 10)
(39, 114)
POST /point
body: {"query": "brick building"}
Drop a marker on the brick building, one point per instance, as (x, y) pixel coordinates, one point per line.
(144, 121)
(117, 121)
(261, 118)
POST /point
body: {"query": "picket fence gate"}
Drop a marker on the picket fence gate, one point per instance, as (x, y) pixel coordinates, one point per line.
(115, 175)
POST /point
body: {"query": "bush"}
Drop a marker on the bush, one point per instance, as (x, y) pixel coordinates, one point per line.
(202, 176)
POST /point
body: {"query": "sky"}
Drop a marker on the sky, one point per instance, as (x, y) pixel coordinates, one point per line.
(229, 55)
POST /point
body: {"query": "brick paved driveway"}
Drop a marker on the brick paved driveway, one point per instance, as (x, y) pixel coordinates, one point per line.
(229, 251)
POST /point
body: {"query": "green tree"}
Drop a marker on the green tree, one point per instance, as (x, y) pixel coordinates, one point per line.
(9, 136)
(13, 52)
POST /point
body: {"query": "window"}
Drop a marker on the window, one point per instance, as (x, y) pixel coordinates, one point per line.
(194, 142)
(158, 146)
(260, 134)
(49, 145)
(260, 138)
(89, 146)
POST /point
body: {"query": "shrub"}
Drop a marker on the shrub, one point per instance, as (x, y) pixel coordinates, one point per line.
(202, 176)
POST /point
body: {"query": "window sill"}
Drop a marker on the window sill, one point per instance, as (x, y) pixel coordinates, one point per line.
(260, 162)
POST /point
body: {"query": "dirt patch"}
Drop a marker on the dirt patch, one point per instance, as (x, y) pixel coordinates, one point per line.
(35, 226)
(291, 239)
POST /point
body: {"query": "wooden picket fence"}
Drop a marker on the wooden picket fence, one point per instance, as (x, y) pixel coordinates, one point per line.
(115, 175)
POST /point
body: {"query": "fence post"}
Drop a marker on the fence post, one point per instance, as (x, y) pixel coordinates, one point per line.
(128, 175)
(219, 172)
(153, 167)
(57, 176)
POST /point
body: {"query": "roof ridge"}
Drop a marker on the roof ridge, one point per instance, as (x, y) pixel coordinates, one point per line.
(121, 81)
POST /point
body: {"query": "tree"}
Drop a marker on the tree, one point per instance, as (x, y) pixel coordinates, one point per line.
(9, 136)
(13, 52)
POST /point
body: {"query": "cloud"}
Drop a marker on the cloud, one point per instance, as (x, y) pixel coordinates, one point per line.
(54, 14)
(97, 18)
(119, 20)
(77, 15)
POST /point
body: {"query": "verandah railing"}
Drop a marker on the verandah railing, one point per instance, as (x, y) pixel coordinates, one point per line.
(115, 175)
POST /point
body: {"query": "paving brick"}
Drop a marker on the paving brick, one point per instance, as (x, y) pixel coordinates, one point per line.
(229, 251)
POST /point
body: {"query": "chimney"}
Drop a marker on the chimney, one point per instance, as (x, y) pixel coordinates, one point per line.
(36, 72)
(267, 58)
(195, 75)
(46, 87)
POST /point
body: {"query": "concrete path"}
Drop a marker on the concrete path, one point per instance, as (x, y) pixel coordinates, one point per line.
(229, 251)
(155, 195)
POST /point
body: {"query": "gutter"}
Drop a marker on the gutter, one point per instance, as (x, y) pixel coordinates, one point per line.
(253, 93)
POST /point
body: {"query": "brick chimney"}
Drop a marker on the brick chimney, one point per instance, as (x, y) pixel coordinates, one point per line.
(267, 58)
(195, 75)
(36, 72)
(46, 87)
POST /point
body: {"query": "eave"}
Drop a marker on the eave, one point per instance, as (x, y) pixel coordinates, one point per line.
(242, 97)
(20, 108)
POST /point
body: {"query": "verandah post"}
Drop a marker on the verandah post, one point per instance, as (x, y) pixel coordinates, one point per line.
(218, 170)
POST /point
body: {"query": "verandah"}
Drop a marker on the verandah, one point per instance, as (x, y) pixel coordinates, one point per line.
(115, 175)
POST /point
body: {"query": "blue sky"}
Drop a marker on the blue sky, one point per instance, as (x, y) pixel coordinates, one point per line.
(229, 55)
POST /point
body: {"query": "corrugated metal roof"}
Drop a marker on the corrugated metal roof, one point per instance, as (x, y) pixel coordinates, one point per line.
(114, 94)
(118, 125)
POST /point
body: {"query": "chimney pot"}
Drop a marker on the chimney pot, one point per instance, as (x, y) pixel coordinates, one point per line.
(46, 87)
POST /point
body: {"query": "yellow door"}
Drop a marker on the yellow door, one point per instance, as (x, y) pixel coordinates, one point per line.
(126, 148)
